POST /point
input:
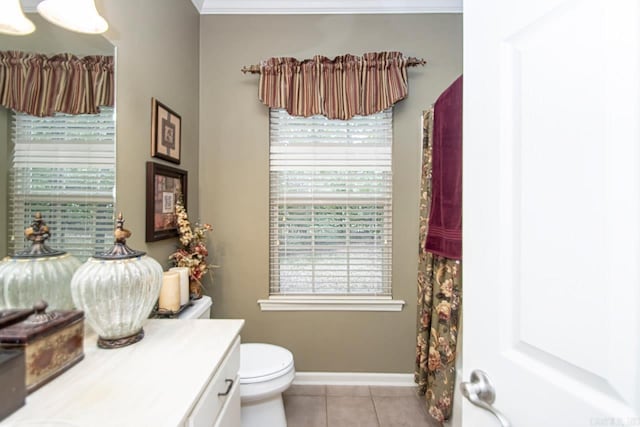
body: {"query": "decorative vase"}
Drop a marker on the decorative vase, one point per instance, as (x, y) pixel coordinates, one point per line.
(37, 273)
(117, 291)
(195, 290)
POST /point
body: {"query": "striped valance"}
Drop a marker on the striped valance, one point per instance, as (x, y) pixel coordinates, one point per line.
(42, 85)
(338, 88)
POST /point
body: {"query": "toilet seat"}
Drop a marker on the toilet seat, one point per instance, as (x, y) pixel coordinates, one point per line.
(263, 362)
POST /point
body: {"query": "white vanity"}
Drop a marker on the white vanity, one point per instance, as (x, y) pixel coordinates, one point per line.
(183, 373)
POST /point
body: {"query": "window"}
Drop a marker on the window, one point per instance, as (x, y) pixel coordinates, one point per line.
(64, 167)
(330, 207)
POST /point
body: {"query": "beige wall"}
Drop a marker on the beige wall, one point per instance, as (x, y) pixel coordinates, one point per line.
(234, 186)
(157, 56)
(192, 64)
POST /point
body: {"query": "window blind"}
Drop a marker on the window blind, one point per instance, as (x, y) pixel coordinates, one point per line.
(330, 205)
(64, 167)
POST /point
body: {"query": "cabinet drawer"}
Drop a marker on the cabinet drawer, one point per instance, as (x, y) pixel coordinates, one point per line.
(215, 394)
(229, 416)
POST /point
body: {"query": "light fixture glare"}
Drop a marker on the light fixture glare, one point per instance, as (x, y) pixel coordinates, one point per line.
(12, 20)
(75, 15)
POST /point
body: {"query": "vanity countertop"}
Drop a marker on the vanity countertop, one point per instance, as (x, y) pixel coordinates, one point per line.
(154, 382)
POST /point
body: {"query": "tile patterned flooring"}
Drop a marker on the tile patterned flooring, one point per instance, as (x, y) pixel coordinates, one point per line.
(355, 406)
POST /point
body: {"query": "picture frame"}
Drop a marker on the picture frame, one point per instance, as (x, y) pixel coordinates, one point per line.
(166, 132)
(165, 184)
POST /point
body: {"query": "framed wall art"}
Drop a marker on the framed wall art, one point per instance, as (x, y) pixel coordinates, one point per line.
(164, 185)
(166, 132)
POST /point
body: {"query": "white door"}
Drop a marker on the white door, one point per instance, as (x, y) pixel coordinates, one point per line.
(552, 210)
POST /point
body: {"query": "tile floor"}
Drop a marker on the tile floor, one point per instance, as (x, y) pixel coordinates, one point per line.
(355, 406)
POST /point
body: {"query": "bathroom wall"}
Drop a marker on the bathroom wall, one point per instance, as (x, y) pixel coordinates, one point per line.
(157, 44)
(192, 64)
(234, 180)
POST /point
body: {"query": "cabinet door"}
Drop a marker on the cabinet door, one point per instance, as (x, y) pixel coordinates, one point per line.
(214, 397)
(229, 416)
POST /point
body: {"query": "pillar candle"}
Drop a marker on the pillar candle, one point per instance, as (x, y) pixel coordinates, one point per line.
(184, 283)
(170, 291)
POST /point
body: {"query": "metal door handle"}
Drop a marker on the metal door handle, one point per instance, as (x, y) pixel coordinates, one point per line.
(480, 392)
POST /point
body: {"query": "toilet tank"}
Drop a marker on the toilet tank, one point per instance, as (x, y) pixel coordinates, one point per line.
(201, 309)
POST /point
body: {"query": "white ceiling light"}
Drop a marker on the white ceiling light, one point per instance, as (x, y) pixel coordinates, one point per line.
(12, 20)
(75, 15)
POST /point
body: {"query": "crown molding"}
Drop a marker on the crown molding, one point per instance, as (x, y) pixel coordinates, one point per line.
(198, 4)
(310, 7)
(289, 7)
(292, 7)
(29, 6)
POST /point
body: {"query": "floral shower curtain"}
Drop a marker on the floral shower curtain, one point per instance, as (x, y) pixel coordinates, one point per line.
(439, 303)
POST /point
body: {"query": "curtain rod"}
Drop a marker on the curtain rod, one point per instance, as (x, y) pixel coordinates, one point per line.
(255, 68)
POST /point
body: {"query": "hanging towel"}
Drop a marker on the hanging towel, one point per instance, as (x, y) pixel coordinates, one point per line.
(444, 235)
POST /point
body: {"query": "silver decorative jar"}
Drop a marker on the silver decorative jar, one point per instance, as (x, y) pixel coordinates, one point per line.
(37, 273)
(117, 291)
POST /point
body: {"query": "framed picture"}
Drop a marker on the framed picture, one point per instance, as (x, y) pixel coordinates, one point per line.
(166, 132)
(164, 185)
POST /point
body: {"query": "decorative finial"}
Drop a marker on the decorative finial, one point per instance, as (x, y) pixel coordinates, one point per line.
(121, 234)
(120, 250)
(38, 233)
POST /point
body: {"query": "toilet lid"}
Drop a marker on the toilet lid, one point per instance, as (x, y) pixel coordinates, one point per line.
(262, 362)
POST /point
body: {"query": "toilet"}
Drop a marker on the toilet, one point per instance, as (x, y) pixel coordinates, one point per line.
(266, 371)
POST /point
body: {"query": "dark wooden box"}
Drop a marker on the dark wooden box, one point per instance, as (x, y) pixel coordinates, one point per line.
(12, 387)
(52, 343)
(11, 316)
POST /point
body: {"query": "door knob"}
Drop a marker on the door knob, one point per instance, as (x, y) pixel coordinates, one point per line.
(480, 392)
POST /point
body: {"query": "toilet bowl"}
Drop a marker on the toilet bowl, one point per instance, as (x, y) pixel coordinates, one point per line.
(266, 371)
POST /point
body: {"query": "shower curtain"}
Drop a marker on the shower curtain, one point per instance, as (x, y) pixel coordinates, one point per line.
(439, 302)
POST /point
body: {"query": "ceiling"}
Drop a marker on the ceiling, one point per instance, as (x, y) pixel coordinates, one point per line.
(269, 7)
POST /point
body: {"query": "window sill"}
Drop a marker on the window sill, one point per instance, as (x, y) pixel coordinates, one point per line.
(328, 303)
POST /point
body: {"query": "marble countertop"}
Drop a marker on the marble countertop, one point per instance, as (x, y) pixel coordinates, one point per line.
(154, 382)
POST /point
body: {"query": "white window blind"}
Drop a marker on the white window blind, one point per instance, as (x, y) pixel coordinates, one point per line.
(64, 167)
(330, 205)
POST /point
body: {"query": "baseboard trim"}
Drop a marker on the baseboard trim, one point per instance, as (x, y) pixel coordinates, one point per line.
(354, 378)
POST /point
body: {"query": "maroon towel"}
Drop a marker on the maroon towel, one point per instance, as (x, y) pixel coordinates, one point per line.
(444, 236)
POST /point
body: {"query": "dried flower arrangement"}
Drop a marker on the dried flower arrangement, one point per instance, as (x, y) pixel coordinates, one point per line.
(192, 251)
